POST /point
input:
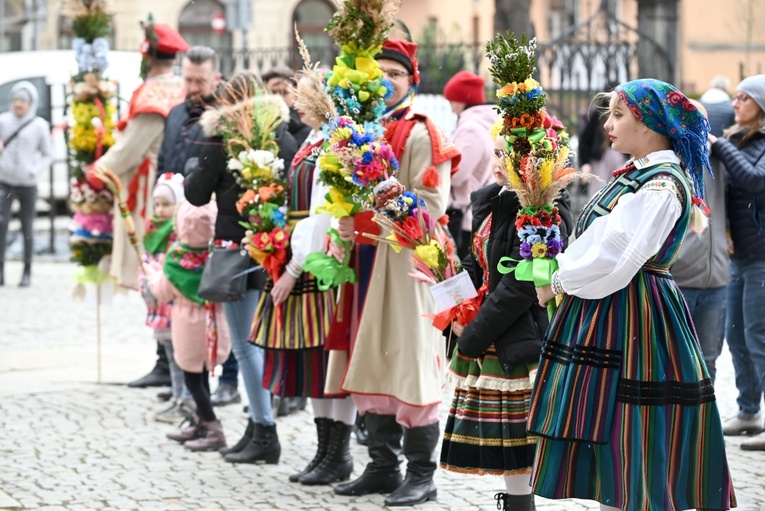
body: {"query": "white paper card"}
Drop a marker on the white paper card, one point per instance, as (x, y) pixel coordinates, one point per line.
(453, 291)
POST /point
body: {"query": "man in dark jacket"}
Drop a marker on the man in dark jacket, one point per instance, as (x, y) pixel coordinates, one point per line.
(182, 134)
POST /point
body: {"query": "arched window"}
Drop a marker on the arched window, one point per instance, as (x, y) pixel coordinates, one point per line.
(12, 12)
(196, 25)
(311, 17)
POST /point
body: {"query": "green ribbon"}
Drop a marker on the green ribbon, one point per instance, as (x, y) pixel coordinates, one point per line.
(538, 270)
(328, 271)
(90, 274)
(534, 136)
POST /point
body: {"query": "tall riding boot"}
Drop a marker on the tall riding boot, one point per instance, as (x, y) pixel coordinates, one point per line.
(337, 465)
(26, 277)
(212, 440)
(382, 474)
(264, 446)
(242, 443)
(420, 451)
(323, 433)
(510, 502)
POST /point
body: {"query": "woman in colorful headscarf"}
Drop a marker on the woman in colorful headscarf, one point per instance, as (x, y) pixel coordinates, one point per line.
(623, 402)
(741, 151)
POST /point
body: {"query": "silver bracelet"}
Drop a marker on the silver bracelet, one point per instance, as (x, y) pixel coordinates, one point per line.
(556, 285)
(294, 269)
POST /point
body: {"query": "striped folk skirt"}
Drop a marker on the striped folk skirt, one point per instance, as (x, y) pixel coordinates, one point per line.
(486, 429)
(293, 339)
(624, 406)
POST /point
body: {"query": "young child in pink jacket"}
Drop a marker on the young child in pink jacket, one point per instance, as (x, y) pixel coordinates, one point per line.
(199, 333)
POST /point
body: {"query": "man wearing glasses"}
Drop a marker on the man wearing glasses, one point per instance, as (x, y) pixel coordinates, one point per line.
(395, 369)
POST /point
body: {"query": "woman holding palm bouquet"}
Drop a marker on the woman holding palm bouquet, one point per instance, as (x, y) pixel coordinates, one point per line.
(497, 351)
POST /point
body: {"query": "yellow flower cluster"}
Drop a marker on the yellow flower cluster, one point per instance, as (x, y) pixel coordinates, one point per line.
(429, 254)
(513, 88)
(83, 137)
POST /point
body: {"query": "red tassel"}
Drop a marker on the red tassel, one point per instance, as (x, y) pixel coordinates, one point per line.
(431, 179)
(701, 204)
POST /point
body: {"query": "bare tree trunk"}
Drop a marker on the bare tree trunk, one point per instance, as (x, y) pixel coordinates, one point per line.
(514, 15)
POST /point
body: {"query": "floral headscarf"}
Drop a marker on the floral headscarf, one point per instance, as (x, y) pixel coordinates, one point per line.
(665, 110)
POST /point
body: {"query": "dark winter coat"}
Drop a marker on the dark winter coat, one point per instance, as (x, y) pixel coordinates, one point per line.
(183, 137)
(298, 128)
(746, 194)
(510, 317)
(209, 175)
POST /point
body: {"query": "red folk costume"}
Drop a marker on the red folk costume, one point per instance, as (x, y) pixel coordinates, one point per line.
(133, 156)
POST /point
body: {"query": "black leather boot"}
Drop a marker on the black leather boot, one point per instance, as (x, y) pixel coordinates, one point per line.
(323, 433)
(2, 275)
(360, 430)
(509, 502)
(420, 451)
(382, 474)
(242, 443)
(337, 465)
(26, 277)
(263, 446)
(157, 377)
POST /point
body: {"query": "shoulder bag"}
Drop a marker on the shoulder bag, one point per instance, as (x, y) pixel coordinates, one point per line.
(224, 278)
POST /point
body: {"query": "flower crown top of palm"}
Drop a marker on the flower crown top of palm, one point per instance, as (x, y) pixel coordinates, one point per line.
(513, 64)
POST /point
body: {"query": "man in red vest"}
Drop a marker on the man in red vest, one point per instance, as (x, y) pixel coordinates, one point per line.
(397, 358)
(133, 156)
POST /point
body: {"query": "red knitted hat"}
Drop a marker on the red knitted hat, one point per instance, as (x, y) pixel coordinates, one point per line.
(465, 87)
(402, 52)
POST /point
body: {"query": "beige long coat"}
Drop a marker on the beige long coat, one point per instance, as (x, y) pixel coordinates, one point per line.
(397, 352)
(139, 141)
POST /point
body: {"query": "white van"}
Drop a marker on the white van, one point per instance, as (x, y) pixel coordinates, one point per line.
(50, 72)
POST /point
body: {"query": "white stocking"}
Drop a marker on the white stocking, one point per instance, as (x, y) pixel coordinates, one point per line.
(518, 484)
(322, 408)
(344, 410)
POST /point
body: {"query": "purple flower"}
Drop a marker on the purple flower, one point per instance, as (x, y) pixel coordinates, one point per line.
(554, 247)
(526, 250)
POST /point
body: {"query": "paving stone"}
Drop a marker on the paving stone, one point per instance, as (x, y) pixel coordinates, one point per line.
(68, 443)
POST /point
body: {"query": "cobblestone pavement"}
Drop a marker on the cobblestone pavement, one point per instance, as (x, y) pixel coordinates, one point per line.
(68, 443)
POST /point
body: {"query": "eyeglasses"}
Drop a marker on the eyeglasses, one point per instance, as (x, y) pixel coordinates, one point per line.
(741, 97)
(394, 74)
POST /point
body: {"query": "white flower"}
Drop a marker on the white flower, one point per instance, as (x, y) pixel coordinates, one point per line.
(96, 122)
(277, 165)
(234, 164)
(261, 158)
(243, 157)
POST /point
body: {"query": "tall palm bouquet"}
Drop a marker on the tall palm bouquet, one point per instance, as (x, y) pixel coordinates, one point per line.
(351, 101)
(536, 157)
(90, 133)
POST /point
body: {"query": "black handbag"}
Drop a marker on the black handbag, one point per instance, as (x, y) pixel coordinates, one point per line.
(224, 278)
